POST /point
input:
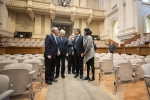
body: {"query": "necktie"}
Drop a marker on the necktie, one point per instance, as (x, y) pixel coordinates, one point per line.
(76, 42)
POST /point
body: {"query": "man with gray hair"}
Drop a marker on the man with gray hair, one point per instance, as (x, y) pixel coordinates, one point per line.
(63, 44)
(51, 51)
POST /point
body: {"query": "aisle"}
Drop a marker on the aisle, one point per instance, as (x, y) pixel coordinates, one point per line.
(72, 88)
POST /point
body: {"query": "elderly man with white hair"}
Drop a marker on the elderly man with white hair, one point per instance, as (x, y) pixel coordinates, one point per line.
(51, 51)
(63, 44)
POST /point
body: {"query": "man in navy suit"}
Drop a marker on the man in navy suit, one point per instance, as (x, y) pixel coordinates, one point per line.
(78, 53)
(51, 51)
(112, 47)
(63, 45)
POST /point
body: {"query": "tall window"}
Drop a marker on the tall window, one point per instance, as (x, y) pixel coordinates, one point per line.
(145, 0)
(116, 27)
(147, 25)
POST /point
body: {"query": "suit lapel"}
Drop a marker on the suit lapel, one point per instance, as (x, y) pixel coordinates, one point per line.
(52, 37)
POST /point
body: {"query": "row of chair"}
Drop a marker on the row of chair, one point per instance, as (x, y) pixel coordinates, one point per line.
(21, 72)
(125, 67)
(100, 43)
(140, 41)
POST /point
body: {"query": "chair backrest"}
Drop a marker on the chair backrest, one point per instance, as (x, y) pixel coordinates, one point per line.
(96, 62)
(21, 59)
(116, 62)
(107, 65)
(36, 64)
(4, 83)
(147, 60)
(19, 77)
(3, 63)
(135, 60)
(139, 69)
(146, 69)
(125, 72)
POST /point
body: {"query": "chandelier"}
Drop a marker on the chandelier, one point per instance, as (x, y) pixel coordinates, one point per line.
(64, 3)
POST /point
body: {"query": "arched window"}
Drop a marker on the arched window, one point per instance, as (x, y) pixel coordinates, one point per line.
(147, 25)
(116, 27)
(145, 0)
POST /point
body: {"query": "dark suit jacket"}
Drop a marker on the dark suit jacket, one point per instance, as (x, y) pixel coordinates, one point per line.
(112, 47)
(70, 46)
(63, 45)
(51, 47)
(79, 45)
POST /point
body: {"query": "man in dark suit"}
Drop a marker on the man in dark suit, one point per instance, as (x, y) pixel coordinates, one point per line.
(51, 50)
(112, 47)
(69, 55)
(63, 44)
(78, 53)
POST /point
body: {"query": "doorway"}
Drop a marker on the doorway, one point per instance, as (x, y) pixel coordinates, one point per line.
(65, 26)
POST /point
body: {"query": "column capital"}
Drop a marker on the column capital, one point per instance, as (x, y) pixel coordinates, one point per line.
(73, 17)
(90, 18)
(31, 13)
(52, 15)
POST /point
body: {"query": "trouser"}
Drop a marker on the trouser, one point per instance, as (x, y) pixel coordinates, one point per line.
(49, 68)
(78, 63)
(71, 63)
(90, 63)
(61, 59)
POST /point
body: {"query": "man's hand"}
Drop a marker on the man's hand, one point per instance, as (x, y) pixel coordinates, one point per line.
(49, 57)
(58, 53)
(72, 53)
(67, 54)
(82, 55)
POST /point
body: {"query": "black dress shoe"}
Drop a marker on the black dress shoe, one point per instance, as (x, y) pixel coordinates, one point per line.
(69, 72)
(49, 82)
(85, 78)
(81, 76)
(56, 77)
(73, 73)
(92, 79)
(54, 80)
(63, 76)
(76, 76)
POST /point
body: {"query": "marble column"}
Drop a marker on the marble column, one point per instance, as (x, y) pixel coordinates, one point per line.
(37, 27)
(121, 16)
(83, 25)
(83, 3)
(130, 27)
(47, 25)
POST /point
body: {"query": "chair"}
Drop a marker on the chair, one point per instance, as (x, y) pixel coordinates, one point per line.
(21, 59)
(123, 73)
(4, 92)
(106, 66)
(147, 60)
(96, 61)
(37, 67)
(146, 70)
(20, 76)
(5, 62)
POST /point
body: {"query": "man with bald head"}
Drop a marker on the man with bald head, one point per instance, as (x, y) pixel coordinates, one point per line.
(63, 44)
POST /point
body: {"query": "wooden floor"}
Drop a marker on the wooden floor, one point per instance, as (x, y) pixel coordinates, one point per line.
(130, 91)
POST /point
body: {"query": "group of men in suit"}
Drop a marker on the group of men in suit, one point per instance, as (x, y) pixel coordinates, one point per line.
(57, 48)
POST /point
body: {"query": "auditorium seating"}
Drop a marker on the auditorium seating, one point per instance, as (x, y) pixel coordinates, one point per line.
(100, 43)
(4, 92)
(146, 69)
(37, 67)
(22, 42)
(140, 41)
(20, 76)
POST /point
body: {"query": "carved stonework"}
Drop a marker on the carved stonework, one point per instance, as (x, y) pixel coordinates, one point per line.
(90, 18)
(72, 17)
(52, 15)
(31, 13)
